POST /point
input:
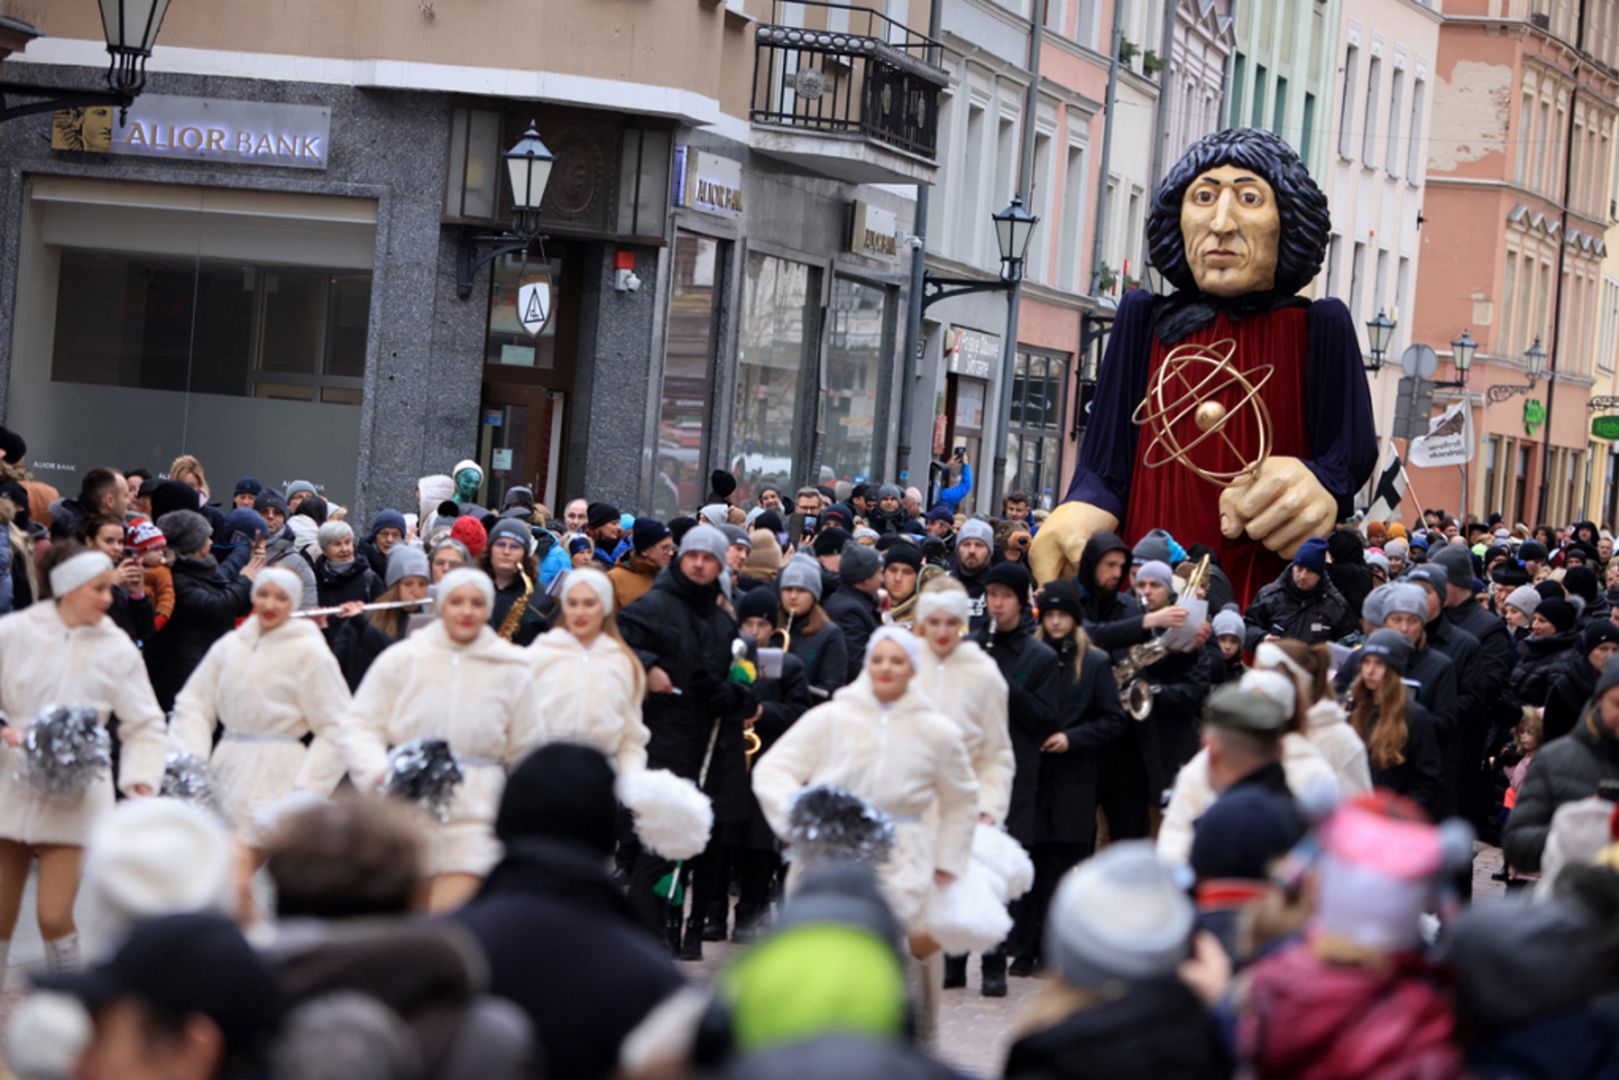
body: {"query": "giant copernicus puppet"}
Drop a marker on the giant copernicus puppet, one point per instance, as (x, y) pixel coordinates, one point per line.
(1258, 431)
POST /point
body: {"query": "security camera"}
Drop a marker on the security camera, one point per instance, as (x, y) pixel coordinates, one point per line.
(626, 281)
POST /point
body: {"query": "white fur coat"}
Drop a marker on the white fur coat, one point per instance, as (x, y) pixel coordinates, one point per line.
(1305, 767)
(42, 663)
(267, 690)
(1326, 725)
(906, 758)
(968, 688)
(477, 697)
(589, 695)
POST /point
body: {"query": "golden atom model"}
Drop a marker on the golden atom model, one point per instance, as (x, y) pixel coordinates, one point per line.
(1187, 383)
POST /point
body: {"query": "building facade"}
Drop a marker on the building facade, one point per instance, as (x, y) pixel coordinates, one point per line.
(262, 266)
(1282, 72)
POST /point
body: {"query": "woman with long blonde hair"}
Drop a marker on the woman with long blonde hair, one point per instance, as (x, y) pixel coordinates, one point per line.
(1402, 747)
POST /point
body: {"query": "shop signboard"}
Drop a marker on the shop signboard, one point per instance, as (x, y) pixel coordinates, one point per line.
(708, 182)
(1534, 415)
(1605, 427)
(534, 303)
(875, 233)
(201, 129)
(973, 353)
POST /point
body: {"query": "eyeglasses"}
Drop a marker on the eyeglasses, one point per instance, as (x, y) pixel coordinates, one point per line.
(508, 545)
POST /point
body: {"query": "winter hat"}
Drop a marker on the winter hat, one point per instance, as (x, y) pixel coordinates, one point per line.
(1061, 595)
(1379, 560)
(721, 483)
(1391, 647)
(1518, 961)
(1434, 577)
(562, 791)
(1560, 613)
(1235, 707)
(1380, 865)
(78, 571)
(899, 636)
(769, 520)
(1551, 589)
(1598, 632)
(758, 604)
(467, 463)
(1458, 564)
(12, 446)
(269, 499)
(1154, 547)
(1158, 572)
(1396, 529)
(406, 561)
(890, 491)
(333, 532)
(1532, 551)
(737, 536)
(831, 540)
(866, 532)
(513, 529)
(595, 579)
(579, 544)
(647, 532)
(470, 531)
(941, 512)
(142, 536)
(598, 514)
(150, 857)
(1246, 830)
(802, 572)
(841, 513)
(764, 558)
(1609, 678)
(1312, 555)
(387, 519)
(977, 529)
(1228, 623)
(519, 496)
(903, 553)
(1407, 598)
(1121, 916)
(300, 486)
(248, 486)
(716, 514)
(1375, 608)
(1397, 549)
(283, 579)
(462, 576)
(1509, 573)
(1525, 598)
(185, 530)
(705, 538)
(1581, 581)
(859, 563)
(1012, 575)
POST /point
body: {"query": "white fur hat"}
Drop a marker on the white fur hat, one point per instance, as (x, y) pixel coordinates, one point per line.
(149, 857)
(465, 575)
(598, 582)
(899, 636)
(285, 580)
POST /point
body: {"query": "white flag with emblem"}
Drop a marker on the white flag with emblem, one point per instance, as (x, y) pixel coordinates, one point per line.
(534, 304)
(1449, 440)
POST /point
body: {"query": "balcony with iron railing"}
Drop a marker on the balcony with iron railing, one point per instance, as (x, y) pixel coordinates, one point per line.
(847, 92)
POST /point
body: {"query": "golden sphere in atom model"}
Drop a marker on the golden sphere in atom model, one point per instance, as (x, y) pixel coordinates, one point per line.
(1209, 415)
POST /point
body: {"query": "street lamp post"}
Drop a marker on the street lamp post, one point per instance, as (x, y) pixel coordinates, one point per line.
(130, 27)
(1014, 227)
(528, 169)
(1534, 360)
(1461, 355)
(1379, 331)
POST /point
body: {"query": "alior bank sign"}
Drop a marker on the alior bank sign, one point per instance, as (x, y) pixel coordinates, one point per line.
(201, 129)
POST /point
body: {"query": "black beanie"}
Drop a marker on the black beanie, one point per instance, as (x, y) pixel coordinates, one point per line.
(1013, 575)
(1509, 573)
(1598, 632)
(760, 603)
(598, 514)
(678, 527)
(1550, 590)
(1061, 595)
(562, 791)
(1558, 612)
(830, 540)
(770, 521)
(902, 553)
(1581, 581)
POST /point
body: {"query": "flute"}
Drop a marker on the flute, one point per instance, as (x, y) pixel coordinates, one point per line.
(314, 612)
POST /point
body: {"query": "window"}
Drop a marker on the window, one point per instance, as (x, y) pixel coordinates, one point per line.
(1509, 283)
(776, 343)
(1357, 275)
(1402, 288)
(1307, 134)
(1413, 135)
(1368, 142)
(1006, 163)
(688, 373)
(1279, 112)
(1041, 204)
(855, 359)
(1391, 159)
(1334, 242)
(1238, 72)
(1260, 87)
(939, 200)
(963, 224)
(1073, 214)
(211, 326)
(1526, 124)
(1608, 339)
(1380, 282)
(1055, 10)
(1543, 146)
(1034, 435)
(1132, 237)
(1492, 472)
(1346, 103)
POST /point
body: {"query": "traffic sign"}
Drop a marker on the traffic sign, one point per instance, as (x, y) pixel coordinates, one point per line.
(1419, 361)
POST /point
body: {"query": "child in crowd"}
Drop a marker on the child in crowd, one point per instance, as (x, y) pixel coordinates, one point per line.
(146, 541)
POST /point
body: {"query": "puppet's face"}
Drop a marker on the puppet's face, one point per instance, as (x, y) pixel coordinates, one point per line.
(1230, 226)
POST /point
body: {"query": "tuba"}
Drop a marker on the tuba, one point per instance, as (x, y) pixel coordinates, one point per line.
(1134, 692)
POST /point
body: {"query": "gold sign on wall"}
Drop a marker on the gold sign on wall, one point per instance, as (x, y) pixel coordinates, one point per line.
(82, 129)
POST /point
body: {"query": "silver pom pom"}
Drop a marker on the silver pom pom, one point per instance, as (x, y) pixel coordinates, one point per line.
(424, 771)
(828, 822)
(188, 778)
(66, 748)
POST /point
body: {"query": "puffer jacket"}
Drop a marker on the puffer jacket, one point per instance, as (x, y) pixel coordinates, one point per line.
(1539, 661)
(281, 550)
(206, 607)
(352, 581)
(1283, 609)
(1564, 770)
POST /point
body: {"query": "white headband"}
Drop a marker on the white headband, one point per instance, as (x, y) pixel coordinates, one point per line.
(78, 571)
(1272, 684)
(1271, 655)
(598, 582)
(899, 636)
(951, 602)
(285, 580)
(461, 577)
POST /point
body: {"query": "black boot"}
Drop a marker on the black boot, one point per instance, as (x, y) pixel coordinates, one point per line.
(714, 923)
(1023, 967)
(691, 943)
(993, 974)
(748, 922)
(955, 972)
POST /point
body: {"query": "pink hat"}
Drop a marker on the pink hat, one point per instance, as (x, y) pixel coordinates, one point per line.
(142, 536)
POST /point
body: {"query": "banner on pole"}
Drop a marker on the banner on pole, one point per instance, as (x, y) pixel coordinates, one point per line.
(1449, 440)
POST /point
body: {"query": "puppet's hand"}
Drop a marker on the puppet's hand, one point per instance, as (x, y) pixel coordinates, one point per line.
(1061, 539)
(1281, 507)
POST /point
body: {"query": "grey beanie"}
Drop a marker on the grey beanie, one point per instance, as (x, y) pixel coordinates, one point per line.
(977, 529)
(406, 561)
(1396, 549)
(1391, 647)
(1120, 916)
(513, 529)
(1228, 623)
(858, 564)
(1375, 608)
(1458, 563)
(186, 531)
(300, 485)
(1525, 598)
(736, 535)
(890, 491)
(802, 572)
(1154, 547)
(1378, 559)
(332, 532)
(1408, 598)
(704, 538)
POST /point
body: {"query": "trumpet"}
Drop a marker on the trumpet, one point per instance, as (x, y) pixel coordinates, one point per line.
(751, 745)
(1134, 692)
